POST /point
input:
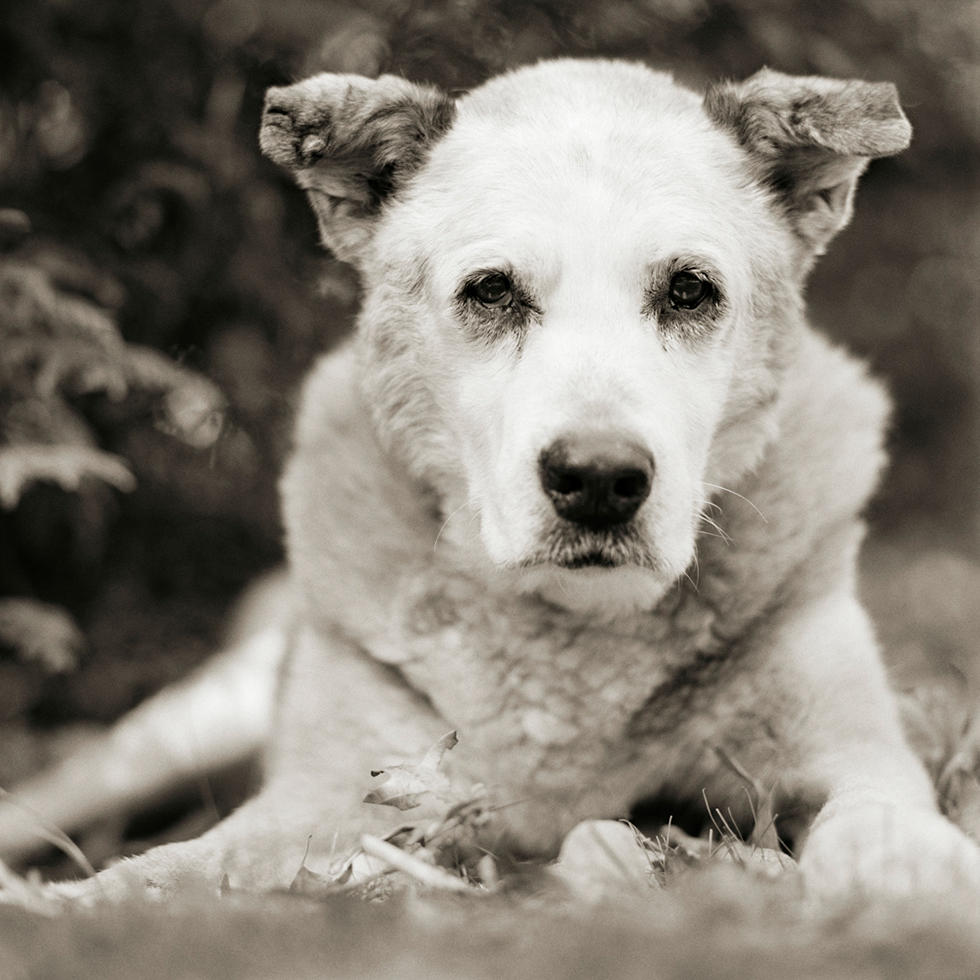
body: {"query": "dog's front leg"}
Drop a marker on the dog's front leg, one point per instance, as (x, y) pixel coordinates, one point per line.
(340, 716)
(880, 829)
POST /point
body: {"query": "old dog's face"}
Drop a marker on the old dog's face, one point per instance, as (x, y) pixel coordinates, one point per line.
(577, 299)
(582, 291)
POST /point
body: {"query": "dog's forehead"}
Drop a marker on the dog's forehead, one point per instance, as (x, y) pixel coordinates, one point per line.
(570, 146)
(542, 92)
(621, 120)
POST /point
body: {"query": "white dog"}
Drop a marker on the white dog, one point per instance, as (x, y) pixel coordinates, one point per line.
(585, 486)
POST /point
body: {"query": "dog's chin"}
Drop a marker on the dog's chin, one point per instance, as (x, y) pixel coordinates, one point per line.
(596, 588)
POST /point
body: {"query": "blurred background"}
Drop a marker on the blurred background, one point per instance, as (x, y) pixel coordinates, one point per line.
(161, 293)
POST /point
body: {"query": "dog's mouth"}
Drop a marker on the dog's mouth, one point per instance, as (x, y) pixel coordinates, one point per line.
(592, 559)
(573, 547)
(607, 573)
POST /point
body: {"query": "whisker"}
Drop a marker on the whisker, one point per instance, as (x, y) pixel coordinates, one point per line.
(475, 533)
(712, 534)
(445, 522)
(697, 572)
(714, 486)
(722, 533)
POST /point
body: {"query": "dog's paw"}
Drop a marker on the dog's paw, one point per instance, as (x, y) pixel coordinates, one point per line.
(888, 851)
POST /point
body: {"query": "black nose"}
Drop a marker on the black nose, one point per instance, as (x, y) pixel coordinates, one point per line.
(596, 479)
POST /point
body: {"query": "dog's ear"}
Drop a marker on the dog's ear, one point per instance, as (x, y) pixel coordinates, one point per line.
(351, 142)
(811, 139)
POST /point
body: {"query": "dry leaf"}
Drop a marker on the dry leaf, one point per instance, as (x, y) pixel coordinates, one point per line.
(315, 885)
(407, 783)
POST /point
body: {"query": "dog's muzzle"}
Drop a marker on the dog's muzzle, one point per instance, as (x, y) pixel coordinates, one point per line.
(597, 480)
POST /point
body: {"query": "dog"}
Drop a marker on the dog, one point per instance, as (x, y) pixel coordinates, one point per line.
(584, 486)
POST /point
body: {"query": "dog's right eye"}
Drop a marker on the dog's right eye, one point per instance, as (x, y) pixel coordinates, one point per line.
(493, 291)
(688, 290)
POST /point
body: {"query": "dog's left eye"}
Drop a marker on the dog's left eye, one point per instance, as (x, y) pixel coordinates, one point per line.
(688, 290)
(494, 291)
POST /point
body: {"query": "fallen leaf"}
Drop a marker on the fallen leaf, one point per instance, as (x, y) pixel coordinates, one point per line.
(315, 885)
(406, 783)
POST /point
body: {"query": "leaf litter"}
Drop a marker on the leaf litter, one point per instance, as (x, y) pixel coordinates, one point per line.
(599, 859)
(425, 853)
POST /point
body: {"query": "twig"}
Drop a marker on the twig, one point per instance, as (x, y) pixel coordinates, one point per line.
(423, 873)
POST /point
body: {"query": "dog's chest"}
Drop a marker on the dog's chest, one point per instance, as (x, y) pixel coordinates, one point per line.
(542, 697)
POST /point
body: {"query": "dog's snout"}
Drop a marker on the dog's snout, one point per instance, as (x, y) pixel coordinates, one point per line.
(597, 479)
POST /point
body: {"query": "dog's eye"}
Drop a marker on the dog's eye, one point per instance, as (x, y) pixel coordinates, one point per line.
(688, 290)
(494, 291)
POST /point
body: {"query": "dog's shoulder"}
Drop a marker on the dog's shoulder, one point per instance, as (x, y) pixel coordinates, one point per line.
(354, 517)
(796, 522)
(830, 451)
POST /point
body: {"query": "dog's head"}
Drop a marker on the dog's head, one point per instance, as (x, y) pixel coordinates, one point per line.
(582, 283)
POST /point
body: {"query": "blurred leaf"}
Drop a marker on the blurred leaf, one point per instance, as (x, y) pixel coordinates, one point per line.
(41, 633)
(192, 408)
(67, 466)
(14, 226)
(30, 306)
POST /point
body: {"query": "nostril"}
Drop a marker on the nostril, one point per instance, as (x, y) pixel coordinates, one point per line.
(633, 485)
(566, 483)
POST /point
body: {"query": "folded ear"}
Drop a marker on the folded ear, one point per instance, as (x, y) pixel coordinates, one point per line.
(352, 142)
(811, 139)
